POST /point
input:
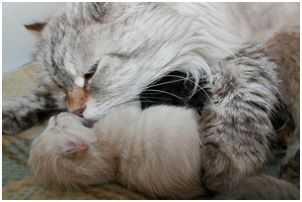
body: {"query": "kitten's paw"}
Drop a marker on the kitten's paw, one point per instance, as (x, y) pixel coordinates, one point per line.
(10, 124)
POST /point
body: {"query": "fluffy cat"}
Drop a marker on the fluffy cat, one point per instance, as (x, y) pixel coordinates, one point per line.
(129, 146)
(235, 161)
(96, 57)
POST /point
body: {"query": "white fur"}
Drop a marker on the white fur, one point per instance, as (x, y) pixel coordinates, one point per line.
(80, 82)
(156, 151)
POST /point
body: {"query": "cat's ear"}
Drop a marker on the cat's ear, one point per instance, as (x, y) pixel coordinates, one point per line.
(99, 10)
(75, 149)
(35, 28)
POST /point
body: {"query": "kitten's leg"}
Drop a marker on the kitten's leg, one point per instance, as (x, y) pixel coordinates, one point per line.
(237, 132)
(24, 112)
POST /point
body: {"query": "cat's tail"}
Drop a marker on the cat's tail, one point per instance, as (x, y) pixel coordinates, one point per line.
(262, 187)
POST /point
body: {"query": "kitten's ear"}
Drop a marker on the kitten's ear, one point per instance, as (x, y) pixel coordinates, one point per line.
(75, 149)
(35, 28)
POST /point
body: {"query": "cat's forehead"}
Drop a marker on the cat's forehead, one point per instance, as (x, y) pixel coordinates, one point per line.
(71, 48)
(67, 53)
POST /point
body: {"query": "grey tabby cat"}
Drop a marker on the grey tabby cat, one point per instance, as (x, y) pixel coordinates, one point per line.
(96, 56)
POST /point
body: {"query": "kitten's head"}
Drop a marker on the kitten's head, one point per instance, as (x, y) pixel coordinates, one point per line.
(64, 155)
(104, 55)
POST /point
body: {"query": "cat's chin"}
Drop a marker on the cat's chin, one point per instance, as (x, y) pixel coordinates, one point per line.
(90, 115)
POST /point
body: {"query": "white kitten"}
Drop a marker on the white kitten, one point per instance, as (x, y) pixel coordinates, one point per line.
(155, 151)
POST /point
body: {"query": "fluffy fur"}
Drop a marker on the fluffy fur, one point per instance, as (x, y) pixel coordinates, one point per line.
(100, 56)
(130, 146)
(139, 42)
(284, 49)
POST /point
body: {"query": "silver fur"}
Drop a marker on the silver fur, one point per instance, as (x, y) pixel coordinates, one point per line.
(135, 44)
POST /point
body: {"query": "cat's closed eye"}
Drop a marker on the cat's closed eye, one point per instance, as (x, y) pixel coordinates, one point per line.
(91, 72)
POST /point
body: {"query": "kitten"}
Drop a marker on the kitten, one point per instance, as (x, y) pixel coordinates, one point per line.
(155, 151)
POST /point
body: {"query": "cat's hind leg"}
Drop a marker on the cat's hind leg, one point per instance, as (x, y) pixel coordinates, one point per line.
(237, 132)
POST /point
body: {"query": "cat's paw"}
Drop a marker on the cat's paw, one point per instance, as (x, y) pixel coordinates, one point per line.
(10, 124)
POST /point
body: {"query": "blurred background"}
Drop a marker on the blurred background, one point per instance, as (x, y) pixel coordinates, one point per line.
(17, 42)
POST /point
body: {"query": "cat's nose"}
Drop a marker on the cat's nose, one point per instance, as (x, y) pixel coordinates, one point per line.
(79, 112)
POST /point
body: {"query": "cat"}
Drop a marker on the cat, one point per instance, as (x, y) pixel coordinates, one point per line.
(281, 51)
(108, 54)
(250, 62)
(130, 146)
(100, 43)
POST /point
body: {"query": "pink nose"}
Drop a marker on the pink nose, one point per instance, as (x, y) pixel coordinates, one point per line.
(79, 112)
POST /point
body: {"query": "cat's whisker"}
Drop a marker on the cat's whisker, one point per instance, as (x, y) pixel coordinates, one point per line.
(198, 86)
(160, 84)
(131, 102)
